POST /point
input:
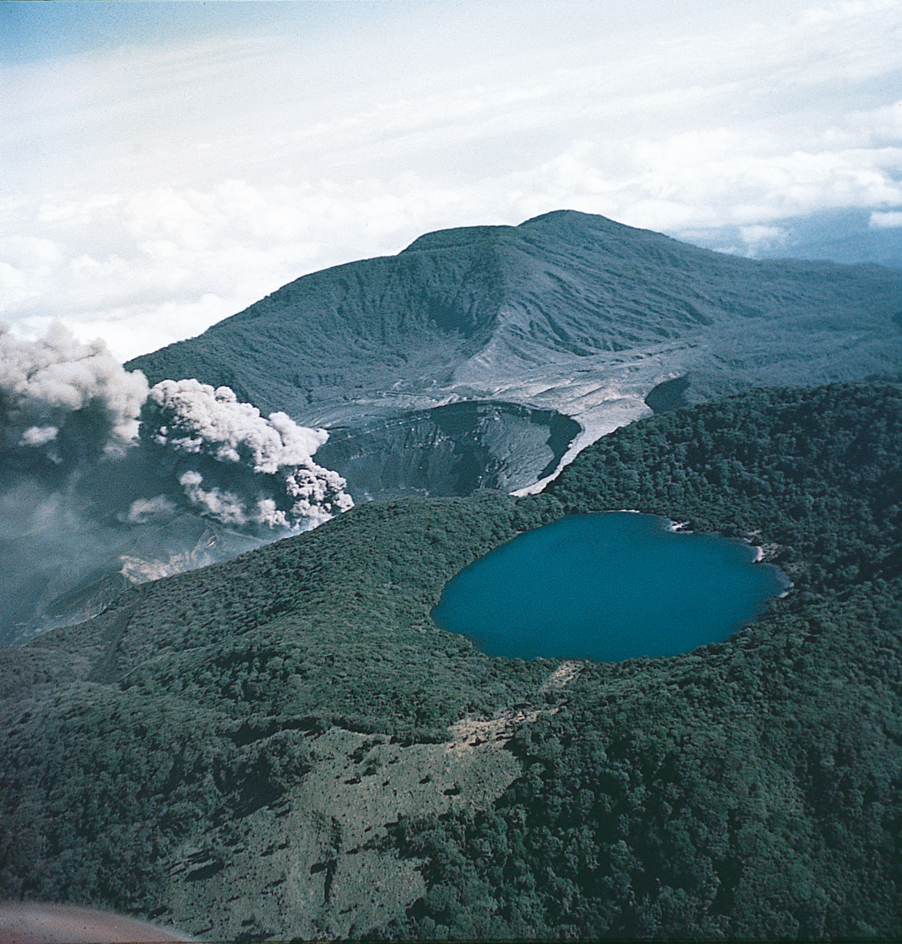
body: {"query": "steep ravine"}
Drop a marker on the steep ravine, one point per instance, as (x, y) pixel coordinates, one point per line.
(450, 450)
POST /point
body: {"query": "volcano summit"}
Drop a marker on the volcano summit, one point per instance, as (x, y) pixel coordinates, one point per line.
(567, 313)
(482, 357)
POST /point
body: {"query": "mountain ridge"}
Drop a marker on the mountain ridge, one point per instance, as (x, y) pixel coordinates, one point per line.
(567, 311)
(476, 357)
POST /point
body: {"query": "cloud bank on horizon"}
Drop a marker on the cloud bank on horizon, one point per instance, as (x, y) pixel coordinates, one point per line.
(169, 164)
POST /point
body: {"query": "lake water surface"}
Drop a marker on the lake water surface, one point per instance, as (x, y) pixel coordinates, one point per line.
(607, 587)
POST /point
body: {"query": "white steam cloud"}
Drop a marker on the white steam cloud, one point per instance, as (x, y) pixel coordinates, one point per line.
(198, 419)
(288, 488)
(145, 510)
(103, 479)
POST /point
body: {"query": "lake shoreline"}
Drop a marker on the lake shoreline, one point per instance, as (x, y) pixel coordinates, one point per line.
(609, 586)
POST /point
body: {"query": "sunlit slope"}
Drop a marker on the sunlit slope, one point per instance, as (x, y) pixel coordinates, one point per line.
(568, 311)
(285, 745)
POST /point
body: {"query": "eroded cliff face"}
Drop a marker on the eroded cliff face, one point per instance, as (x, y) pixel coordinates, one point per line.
(451, 450)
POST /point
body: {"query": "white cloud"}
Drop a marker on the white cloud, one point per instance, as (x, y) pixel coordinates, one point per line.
(888, 220)
(159, 186)
(143, 510)
(757, 238)
(848, 9)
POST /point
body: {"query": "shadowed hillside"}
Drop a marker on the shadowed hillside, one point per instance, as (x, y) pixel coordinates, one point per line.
(285, 745)
(567, 312)
(478, 304)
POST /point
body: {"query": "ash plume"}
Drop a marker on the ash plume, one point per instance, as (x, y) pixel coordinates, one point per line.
(105, 481)
(249, 469)
(57, 384)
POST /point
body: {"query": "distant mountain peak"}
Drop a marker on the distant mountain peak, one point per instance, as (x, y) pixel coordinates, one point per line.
(571, 217)
(554, 223)
(567, 311)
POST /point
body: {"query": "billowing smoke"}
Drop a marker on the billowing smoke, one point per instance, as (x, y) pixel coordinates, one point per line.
(58, 384)
(105, 481)
(251, 469)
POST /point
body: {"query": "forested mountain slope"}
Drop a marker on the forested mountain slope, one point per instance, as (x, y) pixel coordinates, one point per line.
(285, 745)
(566, 312)
(483, 357)
(480, 305)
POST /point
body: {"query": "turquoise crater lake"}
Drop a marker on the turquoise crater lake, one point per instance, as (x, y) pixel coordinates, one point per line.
(607, 587)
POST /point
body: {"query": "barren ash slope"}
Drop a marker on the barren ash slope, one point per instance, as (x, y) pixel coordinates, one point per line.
(285, 745)
(464, 350)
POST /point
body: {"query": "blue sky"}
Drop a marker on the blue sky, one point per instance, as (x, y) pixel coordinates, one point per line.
(166, 164)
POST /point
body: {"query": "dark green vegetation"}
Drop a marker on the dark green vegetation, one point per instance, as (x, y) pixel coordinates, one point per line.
(567, 313)
(232, 749)
(748, 789)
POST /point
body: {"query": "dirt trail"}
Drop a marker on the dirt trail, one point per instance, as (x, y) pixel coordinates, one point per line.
(469, 733)
(561, 677)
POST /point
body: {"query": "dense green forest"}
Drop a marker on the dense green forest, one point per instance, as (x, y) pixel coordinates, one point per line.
(749, 789)
(166, 757)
